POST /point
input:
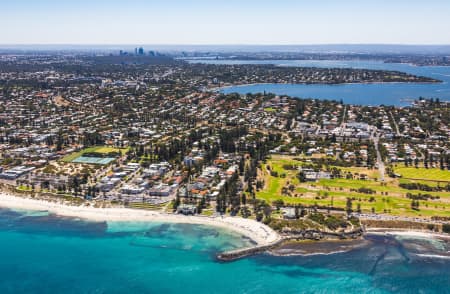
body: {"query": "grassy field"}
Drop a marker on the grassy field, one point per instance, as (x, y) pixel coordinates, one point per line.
(24, 188)
(427, 174)
(273, 185)
(100, 149)
(146, 206)
(388, 197)
(424, 182)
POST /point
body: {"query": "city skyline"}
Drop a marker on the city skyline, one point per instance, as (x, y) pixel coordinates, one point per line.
(225, 23)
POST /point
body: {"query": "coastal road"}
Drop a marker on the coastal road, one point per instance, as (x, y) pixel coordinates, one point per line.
(395, 124)
(386, 217)
(163, 75)
(343, 124)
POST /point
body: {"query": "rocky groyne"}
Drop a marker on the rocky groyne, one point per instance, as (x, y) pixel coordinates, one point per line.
(293, 235)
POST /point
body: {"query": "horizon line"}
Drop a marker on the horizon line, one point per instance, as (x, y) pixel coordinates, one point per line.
(224, 44)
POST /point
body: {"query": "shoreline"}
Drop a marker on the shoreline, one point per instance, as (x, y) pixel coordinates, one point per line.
(330, 246)
(218, 89)
(266, 239)
(257, 232)
(412, 64)
(406, 233)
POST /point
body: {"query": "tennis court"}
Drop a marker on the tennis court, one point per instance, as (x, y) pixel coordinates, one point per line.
(93, 160)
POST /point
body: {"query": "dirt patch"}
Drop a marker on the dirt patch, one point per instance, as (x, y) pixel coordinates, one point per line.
(60, 101)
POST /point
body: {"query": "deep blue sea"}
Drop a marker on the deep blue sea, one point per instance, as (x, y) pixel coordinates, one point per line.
(363, 94)
(42, 253)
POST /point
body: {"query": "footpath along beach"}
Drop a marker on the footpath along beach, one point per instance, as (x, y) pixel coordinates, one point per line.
(256, 231)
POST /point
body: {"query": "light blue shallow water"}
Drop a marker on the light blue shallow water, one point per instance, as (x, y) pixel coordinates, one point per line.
(42, 253)
(365, 94)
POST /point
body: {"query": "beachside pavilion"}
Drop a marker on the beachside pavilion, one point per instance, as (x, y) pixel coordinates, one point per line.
(187, 209)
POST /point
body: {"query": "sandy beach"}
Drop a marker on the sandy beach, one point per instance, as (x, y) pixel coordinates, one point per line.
(258, 232)
(406, 233)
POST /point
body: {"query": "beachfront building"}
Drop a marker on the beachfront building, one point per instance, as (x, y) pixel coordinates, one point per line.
(187, 209)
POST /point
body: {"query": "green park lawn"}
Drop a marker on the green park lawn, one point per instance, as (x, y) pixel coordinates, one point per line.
(428, 174)
(388, 197)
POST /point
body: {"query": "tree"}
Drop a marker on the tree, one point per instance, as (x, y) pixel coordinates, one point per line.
(59, 141)
(301, 177)
(201, 204)
(446, 228)
(245, 212)
(244, 199)
(278, 203)
(176, 202)
(267, 211)
(348, 206)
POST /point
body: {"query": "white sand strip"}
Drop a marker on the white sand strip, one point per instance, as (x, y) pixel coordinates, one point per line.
(252, 229)
(406, 233)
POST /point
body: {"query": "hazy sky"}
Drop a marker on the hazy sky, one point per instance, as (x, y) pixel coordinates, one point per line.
(224, 22)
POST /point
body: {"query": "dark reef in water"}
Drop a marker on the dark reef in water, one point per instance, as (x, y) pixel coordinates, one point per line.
(318, 247)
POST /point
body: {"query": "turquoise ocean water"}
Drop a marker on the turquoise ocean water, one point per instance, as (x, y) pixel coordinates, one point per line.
(43, 253)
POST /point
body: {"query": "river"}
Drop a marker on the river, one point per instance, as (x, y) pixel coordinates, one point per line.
(399, 94)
